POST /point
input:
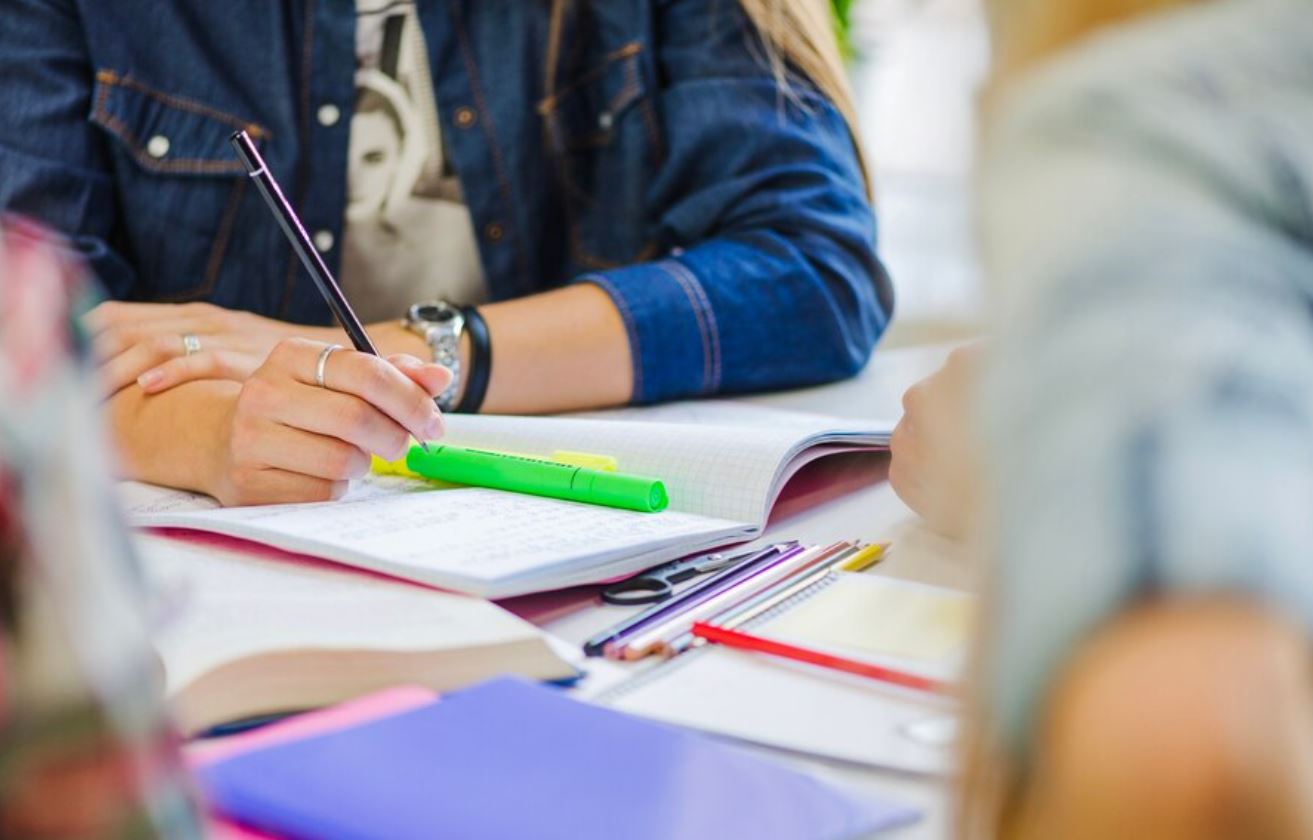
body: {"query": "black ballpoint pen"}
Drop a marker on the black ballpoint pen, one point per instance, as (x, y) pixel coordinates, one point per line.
(305, 249)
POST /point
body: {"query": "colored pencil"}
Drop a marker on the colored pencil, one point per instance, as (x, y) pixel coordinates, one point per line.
(618, 636)
(749, 606)
(746, 641)
(771, 598)
(871, 555)
(658, 639)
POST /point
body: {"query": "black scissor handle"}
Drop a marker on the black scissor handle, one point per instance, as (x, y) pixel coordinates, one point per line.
(643, 589)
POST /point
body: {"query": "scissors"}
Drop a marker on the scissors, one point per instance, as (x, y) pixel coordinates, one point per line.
(658, 584)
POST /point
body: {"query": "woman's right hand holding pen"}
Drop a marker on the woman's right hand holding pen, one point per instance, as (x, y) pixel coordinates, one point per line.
(290, 438)
(278, 436)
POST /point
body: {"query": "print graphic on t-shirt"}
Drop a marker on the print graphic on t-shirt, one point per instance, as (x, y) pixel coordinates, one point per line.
(409, 236)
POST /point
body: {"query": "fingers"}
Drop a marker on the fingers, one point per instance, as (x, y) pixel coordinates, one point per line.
(272, 445)
(291, 440)
(374, 380)
(904, 468)
(207, 364)
(914, 398)
(345, 417)
(268, 486)
(123, 369)
(434, 379)
(117, 313)
(122, 338)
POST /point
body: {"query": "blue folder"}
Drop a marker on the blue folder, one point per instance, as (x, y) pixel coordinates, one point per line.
(509, 759)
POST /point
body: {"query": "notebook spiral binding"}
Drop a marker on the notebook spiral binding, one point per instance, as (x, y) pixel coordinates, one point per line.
(786, 605)
(651, 675)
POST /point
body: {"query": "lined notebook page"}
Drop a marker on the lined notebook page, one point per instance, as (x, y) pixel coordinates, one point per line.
(482, 542)
(721, 473)
(717, 459)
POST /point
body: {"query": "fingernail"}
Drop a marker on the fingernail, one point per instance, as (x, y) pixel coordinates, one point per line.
(435, 428)
(150, 378)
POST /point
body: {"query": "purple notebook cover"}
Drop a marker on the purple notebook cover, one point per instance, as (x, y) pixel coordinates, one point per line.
(510, 759)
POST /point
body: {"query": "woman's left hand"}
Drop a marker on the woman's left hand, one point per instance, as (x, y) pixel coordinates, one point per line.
(146, 343)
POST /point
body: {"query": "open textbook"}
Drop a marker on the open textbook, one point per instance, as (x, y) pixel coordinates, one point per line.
(239, 636)
(723, 464)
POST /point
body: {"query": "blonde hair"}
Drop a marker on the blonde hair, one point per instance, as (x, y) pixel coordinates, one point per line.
(799, 36)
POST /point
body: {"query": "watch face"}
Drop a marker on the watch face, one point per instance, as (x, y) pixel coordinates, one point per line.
(431, 313)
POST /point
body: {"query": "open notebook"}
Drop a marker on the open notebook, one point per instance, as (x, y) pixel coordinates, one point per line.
(723, 464)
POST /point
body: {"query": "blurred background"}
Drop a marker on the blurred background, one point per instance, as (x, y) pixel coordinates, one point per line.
(916, 67)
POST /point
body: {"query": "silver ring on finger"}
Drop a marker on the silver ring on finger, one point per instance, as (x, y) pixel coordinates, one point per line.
(323, 363)
(191, 345)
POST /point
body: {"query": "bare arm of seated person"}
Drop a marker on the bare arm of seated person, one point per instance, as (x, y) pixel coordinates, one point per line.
(935, 462)
(278, 436)
(560, 350)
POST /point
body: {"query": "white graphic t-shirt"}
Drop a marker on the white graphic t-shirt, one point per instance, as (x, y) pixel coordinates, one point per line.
(409, 237)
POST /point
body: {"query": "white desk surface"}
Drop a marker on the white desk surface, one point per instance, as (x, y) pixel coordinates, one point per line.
(874, 513)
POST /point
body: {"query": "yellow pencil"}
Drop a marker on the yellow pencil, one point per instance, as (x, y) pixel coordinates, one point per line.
(864, 559)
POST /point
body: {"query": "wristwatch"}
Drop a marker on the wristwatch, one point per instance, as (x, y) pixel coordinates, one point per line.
(440, 325)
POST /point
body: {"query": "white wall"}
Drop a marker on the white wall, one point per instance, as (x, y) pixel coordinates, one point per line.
(920, 64)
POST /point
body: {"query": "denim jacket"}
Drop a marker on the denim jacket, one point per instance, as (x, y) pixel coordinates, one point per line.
(657, 158)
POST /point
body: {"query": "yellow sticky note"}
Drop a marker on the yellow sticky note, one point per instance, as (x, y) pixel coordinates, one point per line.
(882, 616)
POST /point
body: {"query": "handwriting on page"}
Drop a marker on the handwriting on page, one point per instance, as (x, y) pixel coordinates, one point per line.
(139, 499)
(475, 533)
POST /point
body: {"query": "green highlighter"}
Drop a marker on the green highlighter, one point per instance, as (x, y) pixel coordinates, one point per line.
(518, 474)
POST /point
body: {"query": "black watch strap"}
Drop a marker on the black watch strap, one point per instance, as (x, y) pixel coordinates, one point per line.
(479, 369)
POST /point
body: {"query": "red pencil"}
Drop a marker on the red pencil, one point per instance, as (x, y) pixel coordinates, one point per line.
(746, 641)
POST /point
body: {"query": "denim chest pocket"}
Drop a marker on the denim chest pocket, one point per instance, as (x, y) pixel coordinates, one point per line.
(601, 128)
(179, 183)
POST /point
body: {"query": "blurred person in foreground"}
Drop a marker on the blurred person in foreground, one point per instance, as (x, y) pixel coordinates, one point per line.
(1146, 424)
(84, 749)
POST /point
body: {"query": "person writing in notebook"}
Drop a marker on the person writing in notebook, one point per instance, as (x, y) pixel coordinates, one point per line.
(572, 204)
(1146, 415)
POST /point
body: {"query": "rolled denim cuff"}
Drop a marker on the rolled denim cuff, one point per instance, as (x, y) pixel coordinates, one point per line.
(674, 338)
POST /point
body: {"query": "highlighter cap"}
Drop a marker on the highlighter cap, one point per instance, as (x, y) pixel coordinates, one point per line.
(632, 492)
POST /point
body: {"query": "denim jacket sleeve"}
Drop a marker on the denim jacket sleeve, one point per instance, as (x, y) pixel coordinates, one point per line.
(53, 163)
(774, 281)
